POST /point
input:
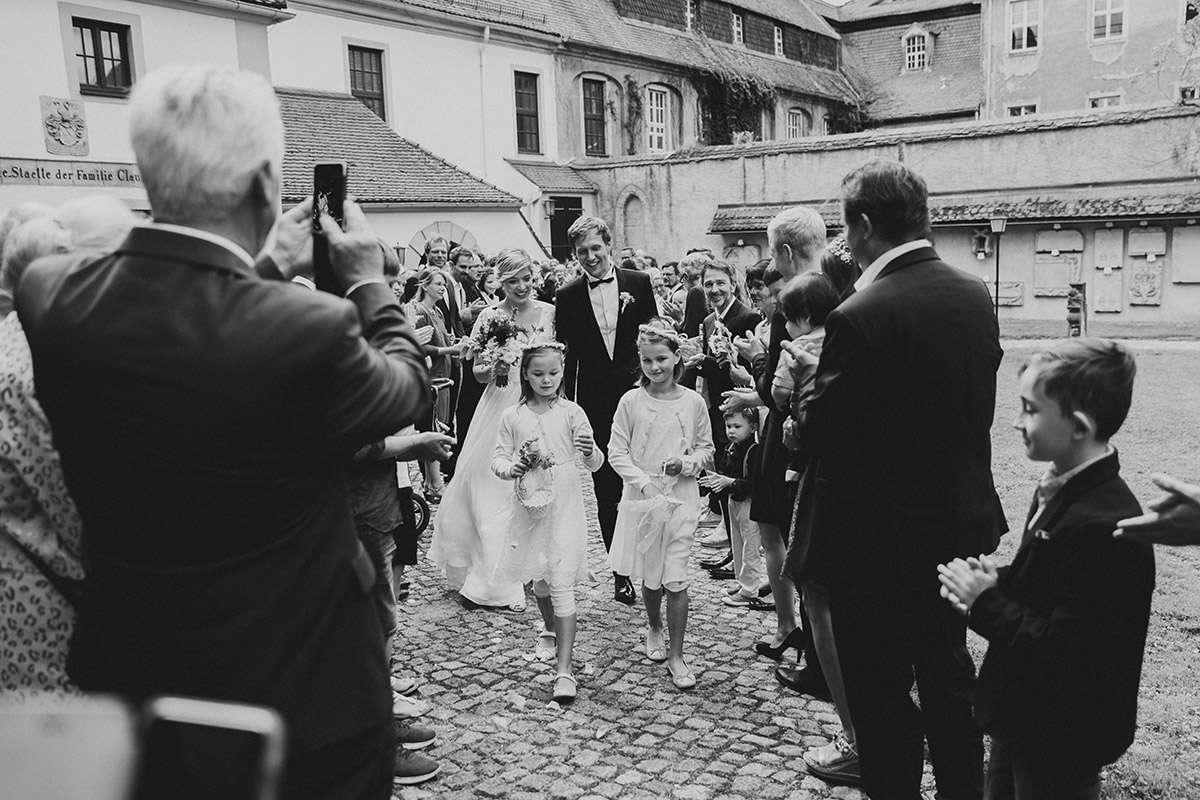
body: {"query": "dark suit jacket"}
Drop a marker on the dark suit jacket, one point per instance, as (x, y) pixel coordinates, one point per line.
(204, 418)
(899, 430)
(592, 378)
(740, 320)
(449, 307)
(1066, 627)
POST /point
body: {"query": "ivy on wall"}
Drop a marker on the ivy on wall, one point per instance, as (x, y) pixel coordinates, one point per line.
(633, 114)
(731, 103)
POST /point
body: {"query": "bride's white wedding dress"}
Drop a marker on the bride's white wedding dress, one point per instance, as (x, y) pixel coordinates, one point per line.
(468, 531)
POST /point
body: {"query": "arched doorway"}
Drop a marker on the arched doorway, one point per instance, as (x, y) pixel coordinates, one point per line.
(456, 234)
(633, 223)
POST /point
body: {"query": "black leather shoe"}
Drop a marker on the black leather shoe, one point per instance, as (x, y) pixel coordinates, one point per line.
(623, 590)
(721, 574)
(717, 563)
(805, 681)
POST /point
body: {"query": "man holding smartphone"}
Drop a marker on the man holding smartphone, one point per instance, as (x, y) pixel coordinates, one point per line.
(206, 442)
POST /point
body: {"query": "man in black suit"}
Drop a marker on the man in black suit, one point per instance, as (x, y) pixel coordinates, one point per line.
(597, 317)
(205, 417)
(899, 431)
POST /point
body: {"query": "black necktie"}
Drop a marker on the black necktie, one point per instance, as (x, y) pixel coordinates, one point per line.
(594, 284)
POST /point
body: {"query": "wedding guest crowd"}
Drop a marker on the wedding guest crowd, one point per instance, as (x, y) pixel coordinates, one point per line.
(826, 411)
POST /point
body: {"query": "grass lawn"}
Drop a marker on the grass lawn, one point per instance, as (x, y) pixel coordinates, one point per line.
(1162, 434)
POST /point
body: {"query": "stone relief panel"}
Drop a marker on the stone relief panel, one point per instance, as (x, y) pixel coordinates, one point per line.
(742, 255)
(1185, 254)
(1108, 296)
(1110, 248)
(64, 127)
(1012, 293)
(1054, 274)
(1148, 242)
(1145, 283)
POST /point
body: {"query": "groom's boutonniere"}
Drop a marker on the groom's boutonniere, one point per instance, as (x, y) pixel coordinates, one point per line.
(626, 299)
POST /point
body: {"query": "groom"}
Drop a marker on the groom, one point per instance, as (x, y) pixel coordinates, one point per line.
(597, 317)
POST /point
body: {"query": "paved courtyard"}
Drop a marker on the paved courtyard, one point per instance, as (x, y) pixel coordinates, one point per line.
(630, 733)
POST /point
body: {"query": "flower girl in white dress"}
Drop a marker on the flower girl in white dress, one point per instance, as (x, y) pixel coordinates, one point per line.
(546, 540)
(661, 440)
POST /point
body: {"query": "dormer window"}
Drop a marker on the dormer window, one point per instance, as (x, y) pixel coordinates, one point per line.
(917, 45)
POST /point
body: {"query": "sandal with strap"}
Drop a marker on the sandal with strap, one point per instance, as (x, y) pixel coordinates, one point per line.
(542, 652)
(565, 687)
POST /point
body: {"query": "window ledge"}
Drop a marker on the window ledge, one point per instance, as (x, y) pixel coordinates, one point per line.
(102, 91)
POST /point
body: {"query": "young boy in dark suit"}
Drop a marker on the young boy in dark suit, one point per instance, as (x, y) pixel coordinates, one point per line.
(1066, 622)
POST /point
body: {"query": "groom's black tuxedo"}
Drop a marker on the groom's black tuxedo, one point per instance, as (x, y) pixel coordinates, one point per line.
(594, 379)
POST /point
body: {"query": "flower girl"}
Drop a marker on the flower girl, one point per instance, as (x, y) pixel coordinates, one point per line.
(661, 440)
(546, 540)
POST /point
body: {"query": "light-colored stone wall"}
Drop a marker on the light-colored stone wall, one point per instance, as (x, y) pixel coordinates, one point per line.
(679, 196)
(1069, 66)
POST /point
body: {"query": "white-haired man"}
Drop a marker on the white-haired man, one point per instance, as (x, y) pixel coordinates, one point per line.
(204, 417)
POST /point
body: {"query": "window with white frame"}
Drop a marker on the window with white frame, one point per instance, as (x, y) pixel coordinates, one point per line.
(658, 118)
(778, 40)
(595, 127)
(1189, 94)
(916, 52)
(366, 78)
(799, 123)
(1024, 24)
(739, 29)
(1104, 101)
(1108, 19)
(689, 19)
(1022, 109)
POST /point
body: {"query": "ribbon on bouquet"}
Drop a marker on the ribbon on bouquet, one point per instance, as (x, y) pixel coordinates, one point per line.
(651, 527)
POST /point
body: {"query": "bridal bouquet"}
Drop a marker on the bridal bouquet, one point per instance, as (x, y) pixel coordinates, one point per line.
(535, 489)
(497, 341)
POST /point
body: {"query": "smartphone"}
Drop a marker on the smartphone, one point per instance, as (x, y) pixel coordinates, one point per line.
(329, 197)
(75, 748)
(208, 750)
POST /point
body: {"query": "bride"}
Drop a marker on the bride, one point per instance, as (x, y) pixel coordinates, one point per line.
(468, 532)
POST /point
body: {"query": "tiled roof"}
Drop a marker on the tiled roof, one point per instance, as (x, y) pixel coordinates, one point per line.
(953, 84)
(1035, 205)
(552, 177)
(529, 14)
(596, 24)
(789, 11)
(857, 10)
(384, 167)
(885, 137)
(267, 3)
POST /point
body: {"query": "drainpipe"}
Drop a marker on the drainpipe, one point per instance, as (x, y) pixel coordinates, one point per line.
(487, 35)
(987, 59)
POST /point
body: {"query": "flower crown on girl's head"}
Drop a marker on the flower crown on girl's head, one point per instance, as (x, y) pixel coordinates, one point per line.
(552, 344)
(659, 331)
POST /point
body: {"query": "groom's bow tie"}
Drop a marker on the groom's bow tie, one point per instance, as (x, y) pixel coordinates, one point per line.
(594, 284)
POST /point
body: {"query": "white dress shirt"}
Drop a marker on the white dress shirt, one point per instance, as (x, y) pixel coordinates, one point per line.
(871, 273)
(606, 306)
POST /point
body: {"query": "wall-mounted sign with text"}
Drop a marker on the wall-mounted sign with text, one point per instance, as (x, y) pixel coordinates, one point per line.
(44, 172)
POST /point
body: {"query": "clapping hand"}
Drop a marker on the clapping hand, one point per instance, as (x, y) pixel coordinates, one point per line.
(424, 334)
(739, 399)
(748, 346)
(673, 466)
(584, 443)
(1173, 519)
(714, 482)
(963, 581)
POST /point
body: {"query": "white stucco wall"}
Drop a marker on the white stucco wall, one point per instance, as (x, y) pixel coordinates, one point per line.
(37, 61)
(444, 88)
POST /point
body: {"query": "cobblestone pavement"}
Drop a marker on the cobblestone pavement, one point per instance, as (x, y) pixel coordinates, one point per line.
(630, 733)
